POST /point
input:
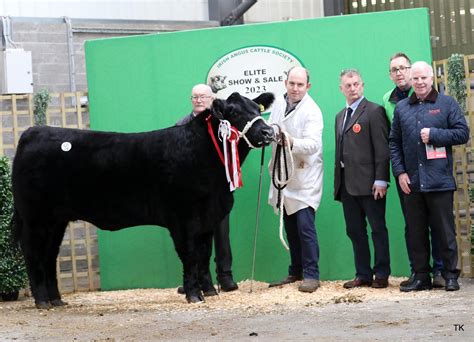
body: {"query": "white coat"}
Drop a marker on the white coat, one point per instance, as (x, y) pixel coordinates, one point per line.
(305, 125)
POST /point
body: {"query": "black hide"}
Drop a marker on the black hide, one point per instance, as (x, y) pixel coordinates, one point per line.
(171, 177)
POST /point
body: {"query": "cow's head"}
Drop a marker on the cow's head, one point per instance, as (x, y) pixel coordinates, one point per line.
(244, 114)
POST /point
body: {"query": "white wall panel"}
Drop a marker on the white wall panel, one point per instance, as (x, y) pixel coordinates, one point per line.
(195, 10)
(277, 10)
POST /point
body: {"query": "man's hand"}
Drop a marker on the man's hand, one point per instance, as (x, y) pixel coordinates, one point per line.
(404, 182)
(379, 191)
(288, 137)
(425, 135)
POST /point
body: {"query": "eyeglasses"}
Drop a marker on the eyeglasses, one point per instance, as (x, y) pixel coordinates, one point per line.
(201, 97)
(400, 68)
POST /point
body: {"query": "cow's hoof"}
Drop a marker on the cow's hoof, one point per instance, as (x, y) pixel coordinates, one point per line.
(195, 299)
(209, 292)
(43, 305)
(57, 302)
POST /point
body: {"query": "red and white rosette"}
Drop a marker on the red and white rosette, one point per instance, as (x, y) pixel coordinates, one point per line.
(230, 138)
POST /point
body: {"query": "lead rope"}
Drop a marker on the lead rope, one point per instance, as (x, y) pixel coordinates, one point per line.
(283, 169)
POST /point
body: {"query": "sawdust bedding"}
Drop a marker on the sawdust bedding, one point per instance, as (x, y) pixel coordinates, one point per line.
(252, 297)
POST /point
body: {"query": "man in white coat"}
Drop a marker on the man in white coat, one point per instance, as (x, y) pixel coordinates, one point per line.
(300, 118)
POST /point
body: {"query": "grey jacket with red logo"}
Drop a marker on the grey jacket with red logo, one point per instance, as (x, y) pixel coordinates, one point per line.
(445, 119)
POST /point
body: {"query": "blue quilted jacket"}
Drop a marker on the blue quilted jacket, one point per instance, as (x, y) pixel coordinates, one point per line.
(448, 127)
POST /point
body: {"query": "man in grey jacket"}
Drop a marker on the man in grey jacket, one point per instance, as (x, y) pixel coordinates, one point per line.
(361, 176)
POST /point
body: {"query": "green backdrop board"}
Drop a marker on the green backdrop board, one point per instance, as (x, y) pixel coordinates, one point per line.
(143, 83)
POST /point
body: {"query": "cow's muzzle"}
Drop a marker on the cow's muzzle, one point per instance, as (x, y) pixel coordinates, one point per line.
(268, 135)
(262, 133)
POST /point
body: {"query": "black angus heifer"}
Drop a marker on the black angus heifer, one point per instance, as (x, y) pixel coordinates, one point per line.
(171, 177)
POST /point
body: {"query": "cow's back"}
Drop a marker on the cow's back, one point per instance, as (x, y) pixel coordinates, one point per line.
(114, 180)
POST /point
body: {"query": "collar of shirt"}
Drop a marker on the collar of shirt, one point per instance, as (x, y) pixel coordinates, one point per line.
(354, 105)
(431, 97)
(398, 95)
(289, 107)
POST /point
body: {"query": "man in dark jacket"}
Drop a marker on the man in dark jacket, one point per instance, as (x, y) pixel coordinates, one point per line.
(361, 176)
(425, 127)
(399, 71)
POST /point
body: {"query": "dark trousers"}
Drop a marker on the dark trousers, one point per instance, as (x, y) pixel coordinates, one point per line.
(435, 210)
(356, 210)
(435, 250)
(303, 243)
(223, 252)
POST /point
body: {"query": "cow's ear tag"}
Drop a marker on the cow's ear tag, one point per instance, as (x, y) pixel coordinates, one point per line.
(66, 146)
(262, 108)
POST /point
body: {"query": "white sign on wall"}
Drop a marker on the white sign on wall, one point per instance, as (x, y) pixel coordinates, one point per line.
(251, 71)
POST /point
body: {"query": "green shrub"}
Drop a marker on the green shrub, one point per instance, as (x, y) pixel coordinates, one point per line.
(457, 79)
(12, 266)
(41, 101)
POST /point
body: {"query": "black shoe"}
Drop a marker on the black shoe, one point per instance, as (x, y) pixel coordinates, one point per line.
(227, 284)
(288, 280)
(452, 284)
(417, 285)
(409, 280)
(206, 292)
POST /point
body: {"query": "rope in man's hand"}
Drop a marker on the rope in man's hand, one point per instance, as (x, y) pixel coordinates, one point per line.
(282, 172)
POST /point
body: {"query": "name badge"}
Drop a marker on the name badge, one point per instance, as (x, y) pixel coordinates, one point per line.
(356, 128)
(435, 152)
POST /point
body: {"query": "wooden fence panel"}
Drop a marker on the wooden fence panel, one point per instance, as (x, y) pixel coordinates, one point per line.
(77, 264)
(463, 169)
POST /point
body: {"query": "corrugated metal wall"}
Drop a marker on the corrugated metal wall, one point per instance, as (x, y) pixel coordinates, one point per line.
(451, 21)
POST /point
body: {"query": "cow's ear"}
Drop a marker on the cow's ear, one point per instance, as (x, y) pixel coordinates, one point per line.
(235, 96)
(264, 101)
(218, 108)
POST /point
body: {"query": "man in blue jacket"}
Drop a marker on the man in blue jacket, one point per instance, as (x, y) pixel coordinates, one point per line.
(425, 127)
(399, 71)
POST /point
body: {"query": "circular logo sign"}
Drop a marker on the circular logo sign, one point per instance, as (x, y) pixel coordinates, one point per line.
(251, 71)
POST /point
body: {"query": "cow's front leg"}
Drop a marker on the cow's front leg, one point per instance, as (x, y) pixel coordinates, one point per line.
(190, 281)
(204, 243)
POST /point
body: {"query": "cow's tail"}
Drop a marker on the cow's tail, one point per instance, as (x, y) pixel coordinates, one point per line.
(17, 227)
